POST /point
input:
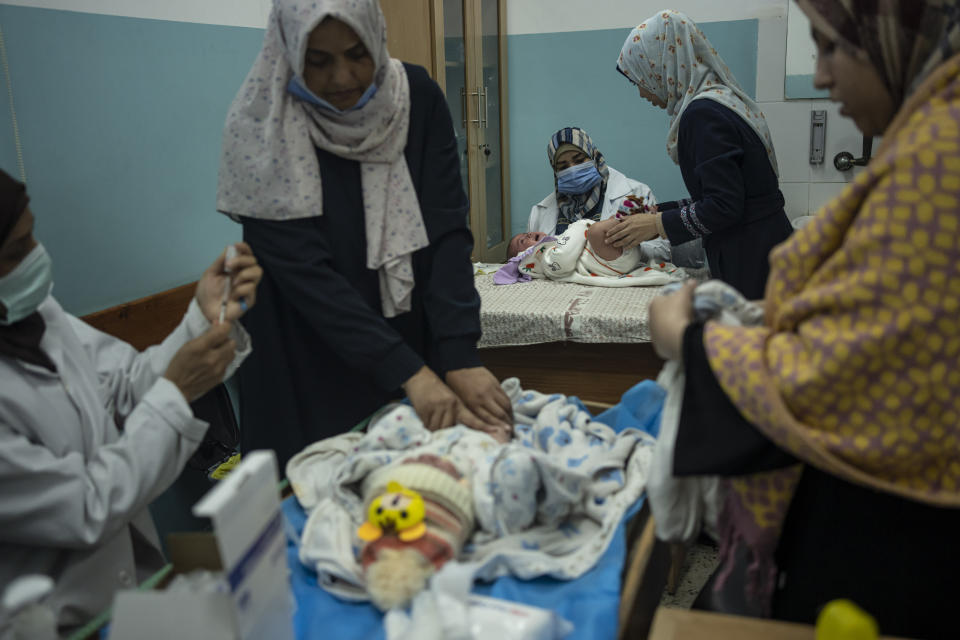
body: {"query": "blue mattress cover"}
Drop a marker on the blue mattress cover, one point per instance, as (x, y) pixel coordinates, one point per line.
(590, 602)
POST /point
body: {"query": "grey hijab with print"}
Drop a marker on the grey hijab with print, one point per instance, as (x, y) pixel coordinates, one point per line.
(669, 56)
(268, 163)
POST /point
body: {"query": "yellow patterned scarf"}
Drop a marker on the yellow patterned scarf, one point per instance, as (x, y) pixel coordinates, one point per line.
(857, 367)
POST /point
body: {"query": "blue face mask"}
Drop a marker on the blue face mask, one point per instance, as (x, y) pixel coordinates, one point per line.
(295, 87)
(579, 178)
(23, 289)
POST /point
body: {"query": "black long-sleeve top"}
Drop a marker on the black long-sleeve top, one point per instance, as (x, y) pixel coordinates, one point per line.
(894, 557)
(735, 203)
(325, 357)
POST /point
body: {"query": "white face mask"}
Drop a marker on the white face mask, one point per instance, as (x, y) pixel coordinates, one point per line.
(23, 289)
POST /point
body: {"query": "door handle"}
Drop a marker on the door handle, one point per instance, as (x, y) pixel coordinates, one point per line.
(844, 161)
(483, 92)
(477, 94)
(485, 148)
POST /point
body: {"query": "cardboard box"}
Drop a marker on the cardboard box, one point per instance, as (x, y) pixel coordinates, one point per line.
(248, 544)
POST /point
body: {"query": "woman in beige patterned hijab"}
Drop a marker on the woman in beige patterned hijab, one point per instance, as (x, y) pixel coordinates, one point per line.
(719, 138)
(341, 164)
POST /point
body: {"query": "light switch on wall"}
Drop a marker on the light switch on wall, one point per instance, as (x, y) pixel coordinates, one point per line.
(818, 135)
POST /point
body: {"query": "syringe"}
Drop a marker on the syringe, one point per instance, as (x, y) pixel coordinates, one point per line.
(231, 254)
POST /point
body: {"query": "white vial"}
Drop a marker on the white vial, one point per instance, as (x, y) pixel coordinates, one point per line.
(24, 602)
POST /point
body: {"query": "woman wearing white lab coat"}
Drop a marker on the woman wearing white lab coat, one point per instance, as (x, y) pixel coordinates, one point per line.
(585, 186)
(91, 430)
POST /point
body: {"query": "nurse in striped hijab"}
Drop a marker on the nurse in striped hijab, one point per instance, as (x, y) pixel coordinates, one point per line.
(579, 176)
(584, 185)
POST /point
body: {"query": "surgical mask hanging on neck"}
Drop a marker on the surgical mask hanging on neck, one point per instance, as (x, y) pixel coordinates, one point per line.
(579, 178)
(295, 87)
(23, 289)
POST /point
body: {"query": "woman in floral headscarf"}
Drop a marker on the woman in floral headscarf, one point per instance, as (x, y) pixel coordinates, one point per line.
(342, 166)
(720, 139)
(837, 421)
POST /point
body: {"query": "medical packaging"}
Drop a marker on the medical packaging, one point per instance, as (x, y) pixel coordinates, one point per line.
(248, 545)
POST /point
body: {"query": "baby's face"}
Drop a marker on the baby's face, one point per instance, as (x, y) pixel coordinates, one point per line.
(523, 241)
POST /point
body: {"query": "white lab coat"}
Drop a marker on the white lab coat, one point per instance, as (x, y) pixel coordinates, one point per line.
(543, 215)
(83, 451)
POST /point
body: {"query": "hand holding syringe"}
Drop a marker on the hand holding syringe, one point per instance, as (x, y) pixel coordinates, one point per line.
(228, 287)
(230, 255)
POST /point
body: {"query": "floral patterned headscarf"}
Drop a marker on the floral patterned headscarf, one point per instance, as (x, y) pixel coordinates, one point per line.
(669, 56)
(268, 164)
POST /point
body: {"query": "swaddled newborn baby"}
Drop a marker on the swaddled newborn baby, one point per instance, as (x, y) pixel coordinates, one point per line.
(580, 252)
(631, 205)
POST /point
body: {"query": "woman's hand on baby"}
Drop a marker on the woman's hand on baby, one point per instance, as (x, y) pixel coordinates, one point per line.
(501, 434)
(482, 394)
(437, 406)
(669, 317)
(633, 230)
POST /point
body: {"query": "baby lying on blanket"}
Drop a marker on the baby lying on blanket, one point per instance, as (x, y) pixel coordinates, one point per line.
(389, 507)
(580, 255)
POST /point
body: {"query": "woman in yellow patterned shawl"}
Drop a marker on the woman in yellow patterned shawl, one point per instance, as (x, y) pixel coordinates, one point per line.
(837, 422)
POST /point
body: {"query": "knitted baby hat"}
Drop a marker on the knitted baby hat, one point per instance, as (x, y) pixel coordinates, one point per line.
(446, 497)
(396, 569)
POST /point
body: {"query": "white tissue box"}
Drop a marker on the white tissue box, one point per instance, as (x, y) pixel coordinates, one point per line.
(247, 544)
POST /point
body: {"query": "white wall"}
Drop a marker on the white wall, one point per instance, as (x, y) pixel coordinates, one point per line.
(805, 187)
(550, 16)
(234, 13)
(523, 16)
(801, 51)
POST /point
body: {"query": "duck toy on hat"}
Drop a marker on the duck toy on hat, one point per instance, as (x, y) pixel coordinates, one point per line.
(399, 508)
(419, 514)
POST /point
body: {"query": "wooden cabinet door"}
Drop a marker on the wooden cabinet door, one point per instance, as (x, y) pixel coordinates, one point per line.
(463, 45)
(414, 33)
(487, 80)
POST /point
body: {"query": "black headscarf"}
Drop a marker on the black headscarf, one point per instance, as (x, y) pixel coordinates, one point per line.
(21, 339)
